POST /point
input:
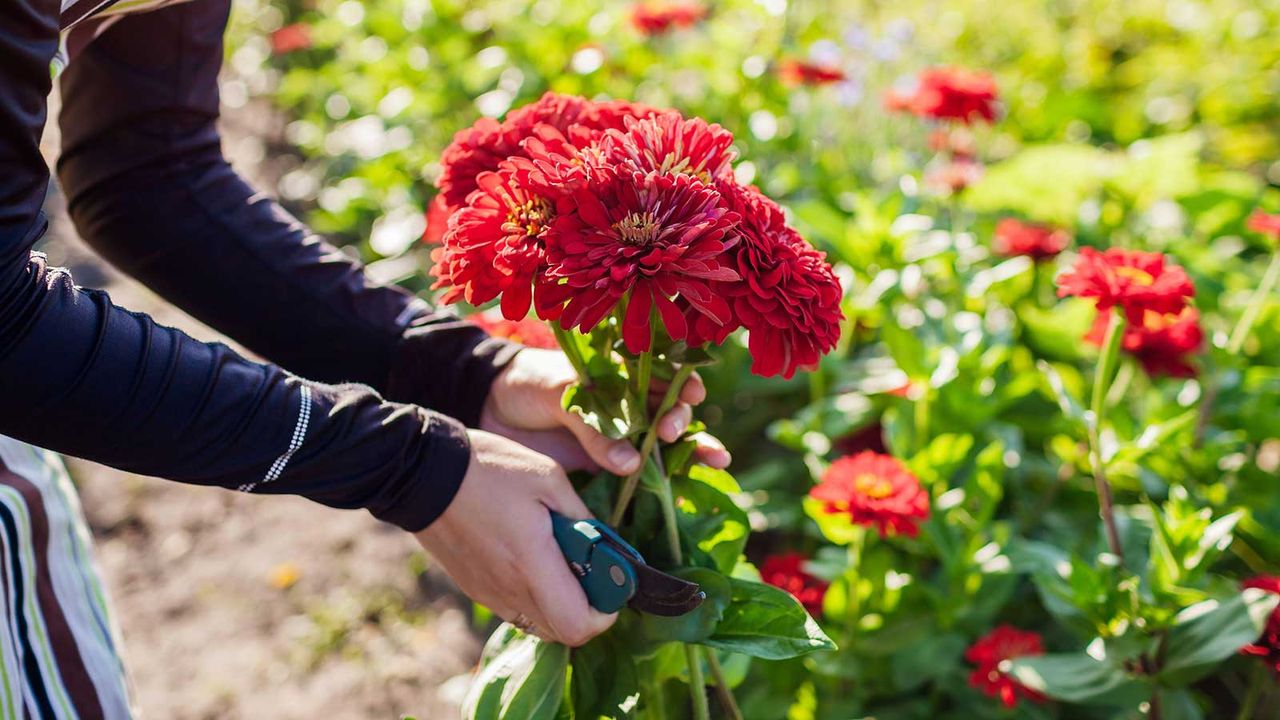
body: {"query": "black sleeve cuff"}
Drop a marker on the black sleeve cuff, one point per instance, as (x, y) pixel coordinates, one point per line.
(448, 365)
(423, 496)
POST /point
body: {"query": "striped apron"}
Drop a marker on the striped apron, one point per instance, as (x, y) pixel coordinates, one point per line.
(59, 653)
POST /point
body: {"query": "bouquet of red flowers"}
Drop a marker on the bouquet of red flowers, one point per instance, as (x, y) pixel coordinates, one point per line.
(623, 227)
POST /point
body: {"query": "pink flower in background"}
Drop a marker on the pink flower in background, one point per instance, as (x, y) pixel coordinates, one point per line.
(800, 72)
(1038, 242)
(949, 94)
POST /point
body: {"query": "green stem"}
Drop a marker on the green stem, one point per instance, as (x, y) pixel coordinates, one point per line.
(644, 373)
(1106, 363)
(697, 685)
(650, 441)
(1254, 308)
(1257, 682)
(564, 338)
(853, 608)
(727, 700)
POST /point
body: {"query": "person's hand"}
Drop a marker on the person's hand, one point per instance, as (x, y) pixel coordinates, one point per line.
(524, 405)
(495, 541)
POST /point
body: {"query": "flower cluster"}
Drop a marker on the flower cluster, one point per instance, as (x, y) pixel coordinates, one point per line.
(787, 571)
(649, 18)
(989, 653)
(949, 94)
(1038, 242)
(1267, 646)
(581, 210)
(1137, 282)
(874, 490)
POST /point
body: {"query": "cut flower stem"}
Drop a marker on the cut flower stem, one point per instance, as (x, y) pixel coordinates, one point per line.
(649, 442)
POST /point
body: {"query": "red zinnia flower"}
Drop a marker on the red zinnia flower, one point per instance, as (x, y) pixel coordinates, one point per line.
(1161, 343)
(290, 38)
(1264, 224)
(437, 221)
(876, 491)
(495, 245)
(660, 18)
(799, 72)
(483, 146)
(789, 299)
(947, 93)
(1038, 242)
(529, 332)
(669, 144)
(1133, 280)
(654, 237)
(1267, 646)
(990, 651)
(786, 571)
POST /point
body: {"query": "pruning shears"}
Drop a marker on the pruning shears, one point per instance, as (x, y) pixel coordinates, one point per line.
(613, 573)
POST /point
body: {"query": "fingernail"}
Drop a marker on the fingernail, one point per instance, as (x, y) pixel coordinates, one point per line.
(624, 457)
(679, 425)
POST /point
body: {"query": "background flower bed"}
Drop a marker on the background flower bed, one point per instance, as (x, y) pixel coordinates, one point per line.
(1148, 126)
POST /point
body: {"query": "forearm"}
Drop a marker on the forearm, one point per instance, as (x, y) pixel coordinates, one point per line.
(86, 378)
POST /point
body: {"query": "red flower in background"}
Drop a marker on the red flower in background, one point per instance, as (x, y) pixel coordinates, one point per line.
(789, 301)
(1267, 646)
(650, 18)
(529, 332)
(990, 651)
(1161, 343)
(670, 144)
(875, 491)
(799, 72)
(1264, 224)
(650, 236)
(290, 38)
(948, 93)
(1133, 280)
(495, 246)
(786, 571)
(1038, 242)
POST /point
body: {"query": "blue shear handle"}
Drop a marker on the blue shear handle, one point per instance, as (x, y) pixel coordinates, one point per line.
(606, 575)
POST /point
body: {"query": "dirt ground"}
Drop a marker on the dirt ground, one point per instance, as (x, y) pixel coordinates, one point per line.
(238, 606)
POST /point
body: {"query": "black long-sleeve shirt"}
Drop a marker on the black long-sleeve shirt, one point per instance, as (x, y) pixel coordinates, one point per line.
(148, 187)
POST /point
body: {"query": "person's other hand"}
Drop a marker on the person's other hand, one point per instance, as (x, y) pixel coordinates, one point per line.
(495, 541)
(524, 405)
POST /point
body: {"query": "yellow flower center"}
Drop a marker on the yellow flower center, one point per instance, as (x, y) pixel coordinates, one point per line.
(873, 486)
(531, 217)
(638, 229)
(1133, 274)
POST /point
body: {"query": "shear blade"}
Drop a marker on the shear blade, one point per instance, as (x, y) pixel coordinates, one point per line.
(663, 594)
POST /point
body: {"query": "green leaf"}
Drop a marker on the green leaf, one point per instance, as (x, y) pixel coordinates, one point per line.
(835, 527)
(931, 657)
(765, 622)
(614, 420)
(1079, 678)
(709, 518)
(523, 679)
(1207, 633)
(604, 681)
